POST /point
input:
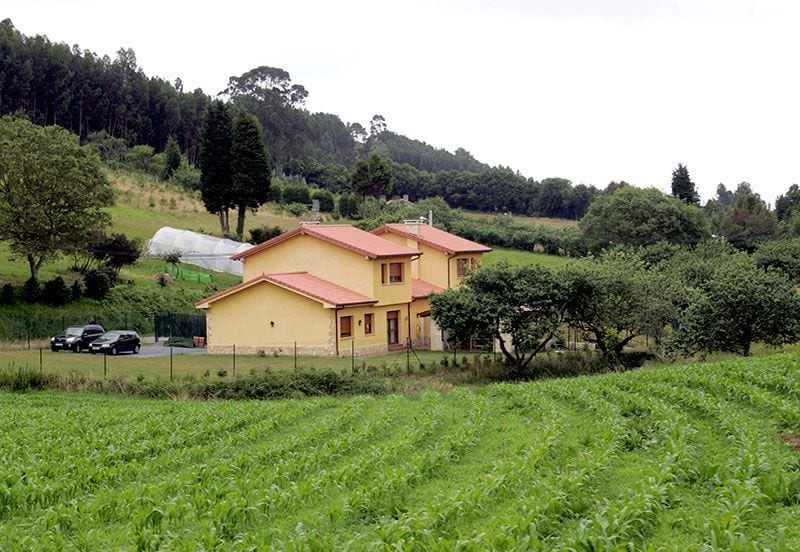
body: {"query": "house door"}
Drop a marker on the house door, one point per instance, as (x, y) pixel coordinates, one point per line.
(392, 327)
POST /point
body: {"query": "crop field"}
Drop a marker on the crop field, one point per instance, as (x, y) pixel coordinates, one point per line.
(517, 257)
(680, 458)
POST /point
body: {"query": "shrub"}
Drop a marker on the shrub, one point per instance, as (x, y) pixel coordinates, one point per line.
(348, 206)
(296, 194)
(31, 291)
(76, 291)
(260, 235)
(187, 177)
(297, 209)
(99, 281)
(7, 295)
(326, 200)
(55, 292)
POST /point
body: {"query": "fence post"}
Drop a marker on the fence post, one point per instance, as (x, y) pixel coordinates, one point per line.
(234, 359)
(352, 357)
(408, 355)
(105, 360)
(40, 360)
(454, 354)
(295, 356)
(170, 363)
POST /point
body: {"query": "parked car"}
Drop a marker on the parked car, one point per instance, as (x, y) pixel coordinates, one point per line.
(76, 338)
(117, 341)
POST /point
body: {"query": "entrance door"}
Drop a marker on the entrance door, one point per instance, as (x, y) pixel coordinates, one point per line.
(392, 327)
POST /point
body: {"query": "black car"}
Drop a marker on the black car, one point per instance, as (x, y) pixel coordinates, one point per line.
(117, 341)
(76, 338)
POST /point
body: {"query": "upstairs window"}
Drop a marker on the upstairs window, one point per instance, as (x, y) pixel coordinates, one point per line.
(395, 273)
(346, 326)
(461, 267)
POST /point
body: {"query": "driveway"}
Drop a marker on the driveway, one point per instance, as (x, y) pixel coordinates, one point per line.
(159, 350)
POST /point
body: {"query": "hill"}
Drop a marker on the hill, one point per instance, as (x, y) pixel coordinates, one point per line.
(696, 457)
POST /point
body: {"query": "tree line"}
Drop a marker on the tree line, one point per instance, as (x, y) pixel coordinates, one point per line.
(688, 300)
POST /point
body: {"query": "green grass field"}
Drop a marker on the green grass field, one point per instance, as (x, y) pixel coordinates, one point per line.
(680, 458)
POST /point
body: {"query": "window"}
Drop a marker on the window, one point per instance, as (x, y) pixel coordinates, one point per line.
(461, 267)
(368, 320)
(346, 326)
(395, 273)
(383, 273)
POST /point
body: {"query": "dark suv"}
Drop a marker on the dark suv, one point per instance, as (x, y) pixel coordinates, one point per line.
(116, 341)
(76, 338)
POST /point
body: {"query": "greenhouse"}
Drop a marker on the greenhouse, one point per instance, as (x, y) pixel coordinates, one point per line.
(198, 249)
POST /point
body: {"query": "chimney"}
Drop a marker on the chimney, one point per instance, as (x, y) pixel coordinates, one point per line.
(412, 226)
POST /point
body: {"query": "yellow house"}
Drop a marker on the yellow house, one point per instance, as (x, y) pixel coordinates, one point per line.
(333, 289)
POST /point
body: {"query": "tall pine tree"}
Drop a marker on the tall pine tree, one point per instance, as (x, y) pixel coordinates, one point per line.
(215, 163)
(683, 187)
(172, 155)
(250, 171)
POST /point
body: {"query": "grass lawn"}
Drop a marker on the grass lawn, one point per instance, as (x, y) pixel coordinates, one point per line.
(533, 221)
(131, 366)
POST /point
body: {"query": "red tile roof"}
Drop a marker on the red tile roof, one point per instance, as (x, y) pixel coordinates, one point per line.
(438, 239)
(343, 235)
(299, 282)
(420, 289)
(317, 288)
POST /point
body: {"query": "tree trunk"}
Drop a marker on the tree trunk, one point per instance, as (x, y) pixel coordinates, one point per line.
(35, 265)
(240, 221)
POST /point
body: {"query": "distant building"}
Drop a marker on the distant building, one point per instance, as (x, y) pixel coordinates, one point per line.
(332, 288)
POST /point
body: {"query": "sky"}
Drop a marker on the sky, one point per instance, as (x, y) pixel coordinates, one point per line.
(588, 90)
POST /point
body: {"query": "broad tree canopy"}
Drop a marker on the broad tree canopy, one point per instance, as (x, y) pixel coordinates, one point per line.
(52, 192)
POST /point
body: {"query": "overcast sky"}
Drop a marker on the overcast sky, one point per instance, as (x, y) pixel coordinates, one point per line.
(592, 91)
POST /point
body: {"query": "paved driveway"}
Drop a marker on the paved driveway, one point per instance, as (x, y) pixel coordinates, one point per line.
(159, 350)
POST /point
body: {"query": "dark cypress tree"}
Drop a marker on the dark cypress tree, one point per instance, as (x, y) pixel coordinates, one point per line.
(215, 163)
(683, 187)
(250, 170)
(173, 158)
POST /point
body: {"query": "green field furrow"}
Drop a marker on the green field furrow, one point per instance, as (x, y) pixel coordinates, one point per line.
(692, 458)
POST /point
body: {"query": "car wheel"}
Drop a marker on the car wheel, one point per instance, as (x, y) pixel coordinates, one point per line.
(77, 348)
(114, 351)
(136, 350)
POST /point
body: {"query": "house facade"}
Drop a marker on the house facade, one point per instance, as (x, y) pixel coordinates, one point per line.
(334, 289)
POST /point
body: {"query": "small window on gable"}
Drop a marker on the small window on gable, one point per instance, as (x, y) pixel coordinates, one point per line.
(395, 273)
(368, 323)
(346, 326)
(461, 267)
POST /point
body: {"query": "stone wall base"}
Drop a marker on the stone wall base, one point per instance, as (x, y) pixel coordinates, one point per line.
(270, 350)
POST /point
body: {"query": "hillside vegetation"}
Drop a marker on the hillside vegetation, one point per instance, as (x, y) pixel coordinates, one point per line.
(679, 458)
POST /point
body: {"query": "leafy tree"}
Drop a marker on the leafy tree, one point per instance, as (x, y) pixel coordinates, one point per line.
(173, 159)
(621, 300)
(526, 303)
(373, 177)
(748, 221)
(739, 305)
(215, 163)
(141, 158)
(635, 216)
(52, 192)
(76, 291)
(99, 281)
(295, 193)
(31, 291)
(782, 255)
(683, 187)
(259, 235)
(787, 204)
(250, 172)
(348, 206)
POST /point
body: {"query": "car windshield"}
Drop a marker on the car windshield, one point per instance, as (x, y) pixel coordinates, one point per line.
(109, 336)
(74, 331)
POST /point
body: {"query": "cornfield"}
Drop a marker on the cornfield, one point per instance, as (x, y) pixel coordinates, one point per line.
(676, 458)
